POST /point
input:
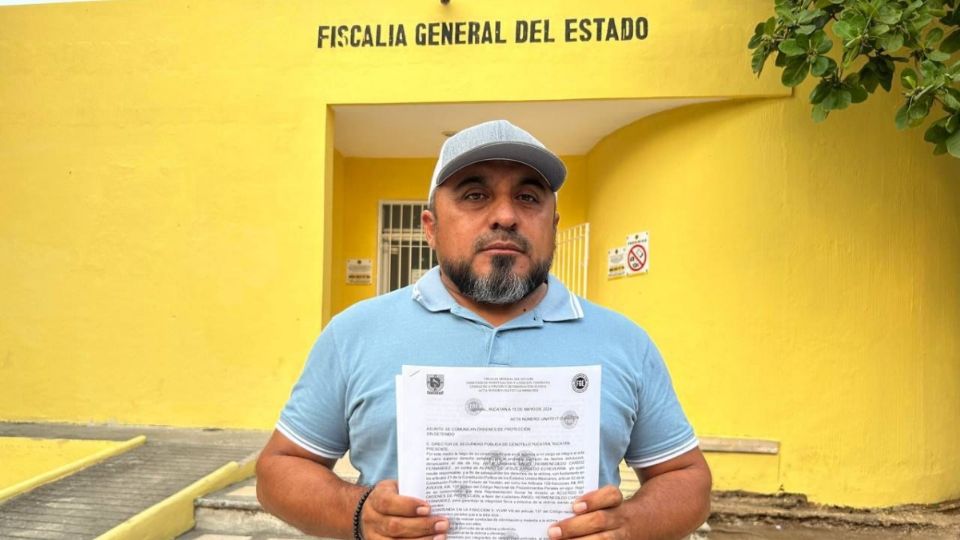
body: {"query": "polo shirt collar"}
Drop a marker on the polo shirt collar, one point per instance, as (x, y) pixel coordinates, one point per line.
(559, 304)
(430, 292)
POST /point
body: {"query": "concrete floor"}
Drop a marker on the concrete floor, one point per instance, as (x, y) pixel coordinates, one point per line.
(94, 500)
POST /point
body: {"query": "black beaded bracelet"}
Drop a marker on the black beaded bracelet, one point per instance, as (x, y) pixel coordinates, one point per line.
(357, 535)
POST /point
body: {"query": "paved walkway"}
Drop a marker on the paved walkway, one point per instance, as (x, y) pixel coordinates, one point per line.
(94, 500)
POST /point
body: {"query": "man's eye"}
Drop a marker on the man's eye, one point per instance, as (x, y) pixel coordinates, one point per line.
(473, 196)
(528, 198)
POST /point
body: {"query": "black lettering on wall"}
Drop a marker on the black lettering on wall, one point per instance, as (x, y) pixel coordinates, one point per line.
(450, 33)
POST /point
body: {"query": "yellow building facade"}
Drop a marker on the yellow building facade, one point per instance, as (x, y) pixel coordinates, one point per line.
(177, 206)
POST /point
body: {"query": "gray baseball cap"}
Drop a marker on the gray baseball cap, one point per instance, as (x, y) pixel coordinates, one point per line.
(497, 139)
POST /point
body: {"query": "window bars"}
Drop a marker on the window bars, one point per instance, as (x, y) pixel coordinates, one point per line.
(404, 253)
(570, 260)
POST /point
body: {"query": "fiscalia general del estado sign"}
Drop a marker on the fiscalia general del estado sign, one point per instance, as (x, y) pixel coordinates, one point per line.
(438, 34)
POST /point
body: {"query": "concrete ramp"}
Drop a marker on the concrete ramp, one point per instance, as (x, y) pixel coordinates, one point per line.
(93, 501)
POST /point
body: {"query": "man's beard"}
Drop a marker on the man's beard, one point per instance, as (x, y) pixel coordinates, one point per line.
(502, 285)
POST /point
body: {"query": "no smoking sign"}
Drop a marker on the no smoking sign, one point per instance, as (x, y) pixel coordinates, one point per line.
(637, 258)
(638, 253)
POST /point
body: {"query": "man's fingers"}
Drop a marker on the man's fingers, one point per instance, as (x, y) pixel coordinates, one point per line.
(386, 500)
(387, 514)
(605, 497)
(585, 524)
(595, 512)
(401, 527)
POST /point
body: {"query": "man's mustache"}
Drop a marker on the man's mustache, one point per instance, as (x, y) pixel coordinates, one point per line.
(502, 235)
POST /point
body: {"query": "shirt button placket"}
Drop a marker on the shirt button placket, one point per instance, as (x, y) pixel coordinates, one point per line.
(497, 349)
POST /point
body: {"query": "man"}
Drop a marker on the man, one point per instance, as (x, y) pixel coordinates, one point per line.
(492, 220)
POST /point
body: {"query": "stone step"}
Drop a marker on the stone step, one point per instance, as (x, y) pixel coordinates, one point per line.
(234, 513)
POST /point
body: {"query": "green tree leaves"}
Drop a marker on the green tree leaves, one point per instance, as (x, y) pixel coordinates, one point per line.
(822, 65)
(869, 39)
(804, 54)
(944, 134)
(795, 72)
(952, 43)
(908, 78)
(791, 47)
(952, 144)
(890, 42)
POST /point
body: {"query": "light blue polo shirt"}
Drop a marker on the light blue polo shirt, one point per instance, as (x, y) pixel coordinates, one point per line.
(345, 397)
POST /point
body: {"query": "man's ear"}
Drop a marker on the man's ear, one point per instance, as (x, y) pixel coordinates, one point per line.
(556, 219)
(429, 222)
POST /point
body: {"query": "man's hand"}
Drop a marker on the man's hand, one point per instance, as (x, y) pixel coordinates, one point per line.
(285, 472)
(599, 513)
(387, 514)
(673, 499)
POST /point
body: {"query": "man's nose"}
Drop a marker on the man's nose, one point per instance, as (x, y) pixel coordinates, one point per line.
(503, 214)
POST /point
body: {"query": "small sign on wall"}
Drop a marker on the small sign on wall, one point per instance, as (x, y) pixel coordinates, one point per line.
(616, 262)
(359, 271)
(638, 253)
(631, 259)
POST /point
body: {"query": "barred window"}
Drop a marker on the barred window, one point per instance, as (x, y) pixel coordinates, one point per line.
(404, 253)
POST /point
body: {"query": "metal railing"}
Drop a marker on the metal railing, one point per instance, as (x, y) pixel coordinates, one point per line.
(570, 260)
(404, 252)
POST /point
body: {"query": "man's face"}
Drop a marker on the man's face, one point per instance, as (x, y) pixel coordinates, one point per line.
(493, 227)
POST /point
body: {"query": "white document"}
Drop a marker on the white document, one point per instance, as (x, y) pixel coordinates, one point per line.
(501, 452)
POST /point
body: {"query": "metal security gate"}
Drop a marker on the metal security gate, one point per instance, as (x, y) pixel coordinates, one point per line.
(404, 252)
(571, 258)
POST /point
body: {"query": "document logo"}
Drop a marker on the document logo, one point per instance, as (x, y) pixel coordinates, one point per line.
(580, 382)
(473, 406)
(435, 384)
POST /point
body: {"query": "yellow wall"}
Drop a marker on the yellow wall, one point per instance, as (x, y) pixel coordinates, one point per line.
(165, 215)
(803, 288)
(359, 186)
(161, 215)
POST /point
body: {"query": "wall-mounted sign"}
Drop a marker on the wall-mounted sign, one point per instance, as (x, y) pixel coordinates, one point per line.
(485, 32)
(638, 253)
(359, 271)
(616, 262)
